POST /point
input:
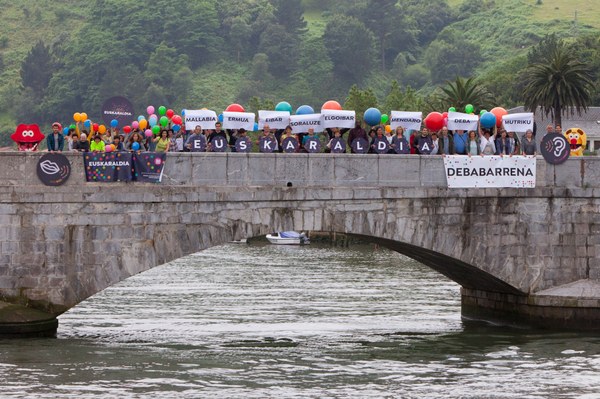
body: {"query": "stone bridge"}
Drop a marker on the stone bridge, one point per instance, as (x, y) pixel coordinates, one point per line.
(522, 255)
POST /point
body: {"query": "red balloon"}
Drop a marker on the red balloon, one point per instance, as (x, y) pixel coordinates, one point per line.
(127, 129)
(434, 121)
(332, 105)
(177, 120)
(499, 112)
(170, 113)
(234, 108)
(445, 114)
(95, 127)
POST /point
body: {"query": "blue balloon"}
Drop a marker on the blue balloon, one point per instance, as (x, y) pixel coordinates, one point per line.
(255, 127)
(114, 123)
(66, 131)
(372, 116)
(221, 118)
(305, 110)
(141, 118)
(283, 106)
(135, 146)
(176, 128)
(87, 123)
(487, 120)
(183, 112)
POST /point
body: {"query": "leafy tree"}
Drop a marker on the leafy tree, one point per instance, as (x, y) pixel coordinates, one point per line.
(461, 92)
(416, 75)
(311, 82)
(452, 55)
(37, 68)
(398, 100)
(290, 13)
(280, 46)
(351, 47)
(429, 19)
(558, 82)
(360, 100)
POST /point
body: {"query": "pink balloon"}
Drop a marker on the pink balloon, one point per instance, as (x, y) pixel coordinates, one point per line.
(153, 116)
(135, 124)
(445, 122)
(108, 148)
(148, 133)
(150, 109)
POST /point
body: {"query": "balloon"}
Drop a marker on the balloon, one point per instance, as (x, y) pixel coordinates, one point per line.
(162, 110)
(148, 133)
(66, 131)
(114, 123)
(136, 146)
(108, 148)
(488, 120)
(83, 117)
(255, 127)
(135, 124)
(143, 124)
(331, 104)
(445, 121)
(177, 120)
(221, 118)
(183, 112)
(153, 117)
(469, 108)
(388, 129)
(234, 108)
(452, 109)
(141, 117)
(87, 123)
(150, 110)
(384, 119)
(483, 111)
(77, 117)
(155, 129)
(445, 114)
(499, 112)
(153, 122)
(72, 127)
(164, 121)
(102, 129)
(434, 121)
(283, 106)
(170, 113)
(305, 110)
(176, 128)
(127, 129)
(95, 127)
(372, 116)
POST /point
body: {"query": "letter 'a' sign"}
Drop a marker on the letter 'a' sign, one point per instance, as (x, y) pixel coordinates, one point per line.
(289, 145)
(239, 120)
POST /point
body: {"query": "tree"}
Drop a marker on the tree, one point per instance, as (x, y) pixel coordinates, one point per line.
(280, 46)
(290, 13)
(461, 92)
(398, 100)
(429, 19)
(360, 100)
(558, 82)
(452, 55)
(37, 69)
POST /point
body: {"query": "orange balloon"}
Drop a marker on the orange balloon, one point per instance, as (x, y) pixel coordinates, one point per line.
(331, 104)
(83, 117)
(143, 124)
(388, 128)
(102, 129)
(77, 117)
(498, 113)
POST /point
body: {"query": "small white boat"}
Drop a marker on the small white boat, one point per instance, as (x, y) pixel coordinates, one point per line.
(288, 238)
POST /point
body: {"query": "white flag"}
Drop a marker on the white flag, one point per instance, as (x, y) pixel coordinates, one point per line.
(275, 119)
(341, 119)
(459, 121)
(238, 120)
(301, 123)
(202, 117)
(518, 123)
(408, 120)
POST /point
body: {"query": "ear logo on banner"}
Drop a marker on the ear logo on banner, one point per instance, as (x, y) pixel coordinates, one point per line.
(53, 169)
(555, 148)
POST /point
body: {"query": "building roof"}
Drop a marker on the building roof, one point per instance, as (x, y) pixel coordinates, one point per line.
(588, 121)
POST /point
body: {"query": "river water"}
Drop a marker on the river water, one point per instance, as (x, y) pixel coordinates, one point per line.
(263, 321)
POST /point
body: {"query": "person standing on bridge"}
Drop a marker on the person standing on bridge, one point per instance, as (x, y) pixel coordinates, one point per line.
(529, 146)
(55, 141)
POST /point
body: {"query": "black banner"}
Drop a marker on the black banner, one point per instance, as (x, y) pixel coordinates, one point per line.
(148, 166)
(118, 108)
(107, 167)
(53, 169)
(555, 148)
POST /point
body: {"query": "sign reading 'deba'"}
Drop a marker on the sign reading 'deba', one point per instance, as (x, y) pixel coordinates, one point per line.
(239, 120)
(200, 117)
(301, 123)
(335, 118)
(275, 119)
(408, 120)
(490, 171)
(460, 121)
(518, 123)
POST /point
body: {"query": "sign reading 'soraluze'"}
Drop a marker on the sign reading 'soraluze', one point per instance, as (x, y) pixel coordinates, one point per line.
(518, 123)
(490, 171)
(460, 121)
(200, 117)
(275, 119)
(335, 118)
(301, 123)
(408, 120)
(239, 120)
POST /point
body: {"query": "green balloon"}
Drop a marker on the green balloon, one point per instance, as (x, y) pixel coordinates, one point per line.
(164, 121)
(162, 110)
(384, 119)
(452, 109)
(156, 129)
(72, 127)
(284, 106)
(483, 111)
(469, 108)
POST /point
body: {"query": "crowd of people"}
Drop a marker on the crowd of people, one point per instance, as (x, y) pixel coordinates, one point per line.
(378, 139)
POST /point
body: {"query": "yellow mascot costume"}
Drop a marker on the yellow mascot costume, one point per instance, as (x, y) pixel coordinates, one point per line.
(578, 141)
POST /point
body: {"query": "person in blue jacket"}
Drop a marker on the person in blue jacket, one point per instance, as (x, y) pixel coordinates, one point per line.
(55, 141)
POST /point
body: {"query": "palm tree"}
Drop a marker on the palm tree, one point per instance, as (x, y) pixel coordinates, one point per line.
(558, 82)
(461, 92)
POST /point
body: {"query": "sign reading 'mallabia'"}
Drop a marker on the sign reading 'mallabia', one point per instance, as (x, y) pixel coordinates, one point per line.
(490, 171)
(204, 118)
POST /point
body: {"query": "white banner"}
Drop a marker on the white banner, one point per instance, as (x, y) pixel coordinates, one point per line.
(239, 120)
(518, 123)
(459, 121)
(463, 171)
(408, 120)
(301, 123)
(203, 117)
(275, 119)
(341, 119)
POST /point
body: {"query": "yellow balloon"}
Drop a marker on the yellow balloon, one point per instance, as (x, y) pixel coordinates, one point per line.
(83, 117)
(102, 129)
(77, 117)
(143, 124)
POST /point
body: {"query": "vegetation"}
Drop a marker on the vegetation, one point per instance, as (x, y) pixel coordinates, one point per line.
(394, 54)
